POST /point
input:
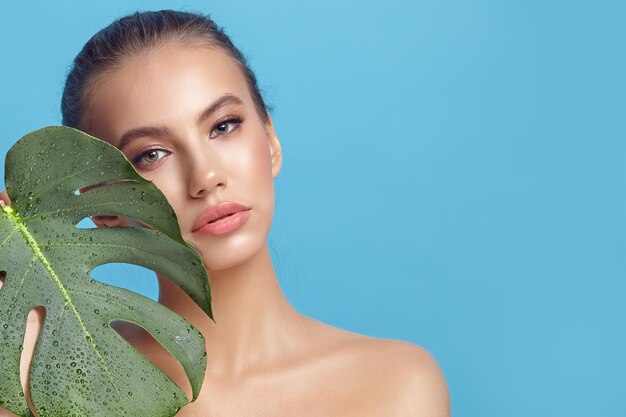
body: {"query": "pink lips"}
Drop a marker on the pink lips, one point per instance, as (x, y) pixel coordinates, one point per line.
(221, 219)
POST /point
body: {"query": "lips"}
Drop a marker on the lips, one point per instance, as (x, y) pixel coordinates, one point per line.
(216, 213)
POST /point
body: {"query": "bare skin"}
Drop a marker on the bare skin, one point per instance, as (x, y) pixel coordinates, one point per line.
(264, 358)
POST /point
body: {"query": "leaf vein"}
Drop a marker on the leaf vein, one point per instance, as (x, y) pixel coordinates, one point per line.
(8, 236)
(60, 181)
(32, 243)
(69, 210)
(30, 266)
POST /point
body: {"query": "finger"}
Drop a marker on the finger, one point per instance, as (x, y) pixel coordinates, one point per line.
(5, 198)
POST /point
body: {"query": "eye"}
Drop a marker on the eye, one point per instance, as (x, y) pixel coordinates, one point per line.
(148, 158)
(225, 127)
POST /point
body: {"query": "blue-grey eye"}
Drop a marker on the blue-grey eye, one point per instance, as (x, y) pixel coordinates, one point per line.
(225, 127)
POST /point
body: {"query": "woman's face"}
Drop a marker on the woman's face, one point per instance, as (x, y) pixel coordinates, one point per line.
(184, 117)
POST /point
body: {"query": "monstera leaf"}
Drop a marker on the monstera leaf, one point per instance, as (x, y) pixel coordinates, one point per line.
(81, 366)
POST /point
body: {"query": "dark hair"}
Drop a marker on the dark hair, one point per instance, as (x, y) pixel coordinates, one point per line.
(136, 33)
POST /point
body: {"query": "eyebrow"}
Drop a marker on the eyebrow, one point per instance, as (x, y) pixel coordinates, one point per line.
(160, 131)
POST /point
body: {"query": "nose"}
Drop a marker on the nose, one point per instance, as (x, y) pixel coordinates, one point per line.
(205, 174)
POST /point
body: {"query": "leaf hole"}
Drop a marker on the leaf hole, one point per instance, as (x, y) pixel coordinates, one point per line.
(88, 188)
(86, 223)
(3, 276)
(131, 277)
(89, 222)
(146, 345)
(34, 324)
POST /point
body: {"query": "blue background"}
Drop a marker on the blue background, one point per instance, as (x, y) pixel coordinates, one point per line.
(454, 175)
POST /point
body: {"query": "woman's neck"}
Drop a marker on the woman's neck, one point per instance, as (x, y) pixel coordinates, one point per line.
(254, 322)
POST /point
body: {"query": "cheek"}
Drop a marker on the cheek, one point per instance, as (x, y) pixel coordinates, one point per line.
(261, 156)
(263, 167)
(255, 164)
(172, 185)
(257, 183)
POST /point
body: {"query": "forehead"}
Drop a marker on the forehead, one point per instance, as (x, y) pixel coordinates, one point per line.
(164, 86)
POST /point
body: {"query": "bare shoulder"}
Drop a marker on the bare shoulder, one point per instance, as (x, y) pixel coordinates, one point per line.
(400, 378)
(414, 380)
(420, 384)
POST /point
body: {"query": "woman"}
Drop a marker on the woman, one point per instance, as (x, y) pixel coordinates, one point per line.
(178, 99)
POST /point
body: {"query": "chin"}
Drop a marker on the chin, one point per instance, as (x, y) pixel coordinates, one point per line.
(224, 263)
(219, 256)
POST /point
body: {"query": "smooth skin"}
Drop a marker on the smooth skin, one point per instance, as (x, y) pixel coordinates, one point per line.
(265, 358)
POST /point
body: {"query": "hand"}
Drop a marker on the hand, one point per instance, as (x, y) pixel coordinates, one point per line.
(4, 199)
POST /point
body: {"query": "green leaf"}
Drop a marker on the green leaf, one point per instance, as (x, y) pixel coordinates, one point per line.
(81, 366)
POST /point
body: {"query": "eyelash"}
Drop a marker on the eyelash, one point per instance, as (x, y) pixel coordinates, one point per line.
(137, 159)
(230, 120)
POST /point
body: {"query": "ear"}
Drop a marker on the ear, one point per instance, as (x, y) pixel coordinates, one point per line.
(275, 150)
